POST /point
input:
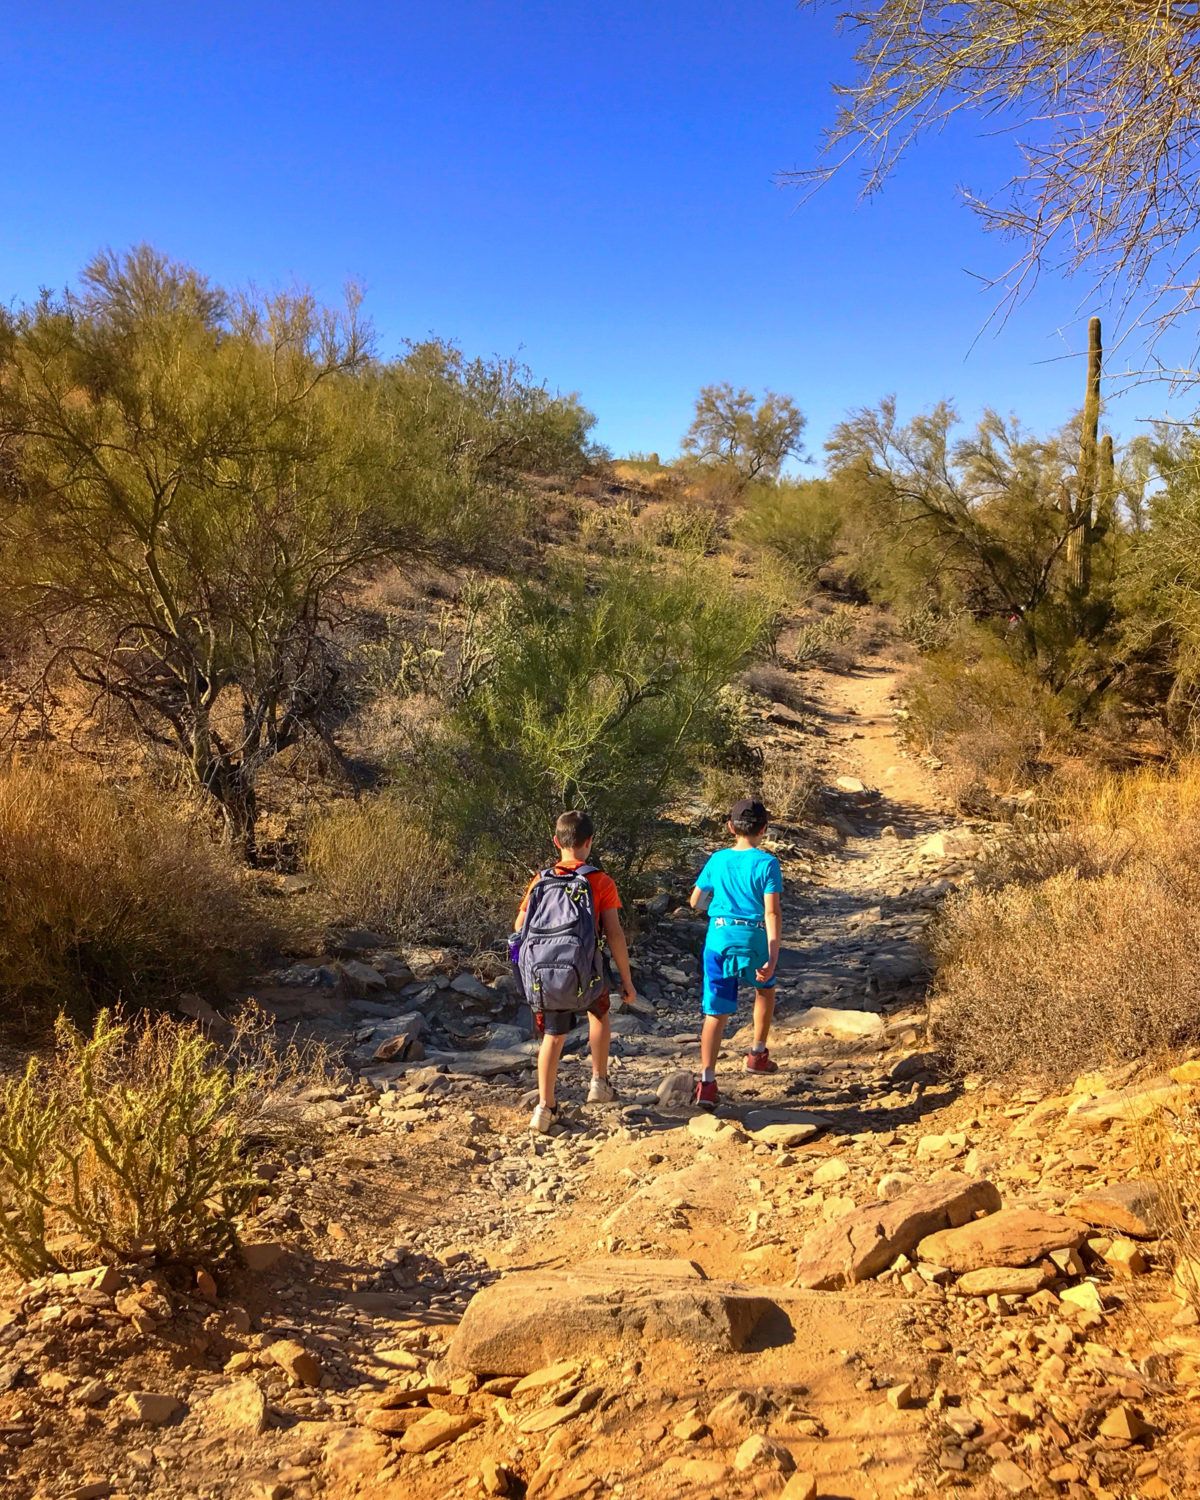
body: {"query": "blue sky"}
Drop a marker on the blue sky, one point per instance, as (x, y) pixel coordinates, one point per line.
(590, 186)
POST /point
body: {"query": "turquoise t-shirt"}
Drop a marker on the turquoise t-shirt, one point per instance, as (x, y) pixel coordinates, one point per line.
(738, 880)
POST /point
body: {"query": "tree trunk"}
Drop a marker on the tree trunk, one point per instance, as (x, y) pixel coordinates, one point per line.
(229, 783)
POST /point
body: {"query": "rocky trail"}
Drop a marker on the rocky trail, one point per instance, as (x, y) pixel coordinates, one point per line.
(860, 1279)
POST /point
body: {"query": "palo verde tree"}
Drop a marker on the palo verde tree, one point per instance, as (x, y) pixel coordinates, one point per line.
(1103, 103)
(191, 480)
(752, 440)
(987, 516)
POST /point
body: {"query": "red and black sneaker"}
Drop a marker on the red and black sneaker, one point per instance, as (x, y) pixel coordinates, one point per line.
(707, 1096)
(760, 1062)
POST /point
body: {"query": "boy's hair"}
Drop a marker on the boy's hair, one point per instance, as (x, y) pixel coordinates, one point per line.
(573, 829)
(748, 817)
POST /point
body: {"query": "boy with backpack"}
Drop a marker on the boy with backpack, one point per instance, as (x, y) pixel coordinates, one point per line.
(745, 885)
(569, 911)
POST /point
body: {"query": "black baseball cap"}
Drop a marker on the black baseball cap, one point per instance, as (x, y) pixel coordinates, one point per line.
(749, 810)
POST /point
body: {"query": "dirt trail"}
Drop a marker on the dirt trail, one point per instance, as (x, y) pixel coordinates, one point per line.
(421, 1195)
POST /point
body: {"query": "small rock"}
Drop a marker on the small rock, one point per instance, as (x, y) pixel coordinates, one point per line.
(549, 1375)
(1004, 1281)
(1010, 1477)
(295, 1360)
(468, 984)
(1132, 1208)
(437, 1429)
(1085, 1297)
(900, 1396)
(363, 979)
(239, 1409)
(1012, 1237)
(262, 1255)
(800, 1487)
(496, 1479)
(763, 1453)
(690, 1429)
(830, 1171)
(1124, 1425)
(676, 1089)
(1127, 1259)
(151, 1408)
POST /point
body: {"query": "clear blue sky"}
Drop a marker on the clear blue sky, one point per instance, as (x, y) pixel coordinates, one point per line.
(591, 186)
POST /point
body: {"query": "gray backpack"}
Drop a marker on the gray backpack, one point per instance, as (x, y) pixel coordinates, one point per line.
(560, 965)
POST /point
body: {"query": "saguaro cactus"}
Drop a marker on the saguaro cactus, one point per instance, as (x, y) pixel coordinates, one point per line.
(1082, 514)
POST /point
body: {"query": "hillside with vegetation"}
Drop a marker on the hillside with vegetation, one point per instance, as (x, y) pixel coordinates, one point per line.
(305, 649)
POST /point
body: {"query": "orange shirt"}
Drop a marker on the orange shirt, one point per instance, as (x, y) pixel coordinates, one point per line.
(604, 889)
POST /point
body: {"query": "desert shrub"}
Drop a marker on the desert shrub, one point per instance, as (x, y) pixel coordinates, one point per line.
(687, 527)
(602, 693)
(608, 526)
(789, 786)
(976, 705)
(800, 521)
(1082, 946)
(817, 642)
(386, 867)
(927, 627)
(775, 683)
(110, 893)
(133, 1140)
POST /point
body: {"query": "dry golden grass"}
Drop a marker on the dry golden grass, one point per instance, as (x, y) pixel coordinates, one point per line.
(111, 893)
(1081, 945)
(978, 709)
(790, 786)
(383, 867)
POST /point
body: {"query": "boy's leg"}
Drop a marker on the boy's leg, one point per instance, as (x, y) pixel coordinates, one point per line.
(764, 1013)
(600, 1037)
(711, 1034)
(549, 1055)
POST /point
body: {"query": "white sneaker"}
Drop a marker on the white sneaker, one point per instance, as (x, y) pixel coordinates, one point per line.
(601, 1091)
(543, 1119)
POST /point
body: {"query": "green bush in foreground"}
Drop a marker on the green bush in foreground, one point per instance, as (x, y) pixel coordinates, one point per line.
(132, 1140)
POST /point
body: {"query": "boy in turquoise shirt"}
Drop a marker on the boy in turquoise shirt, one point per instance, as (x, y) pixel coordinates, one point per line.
(745, 885)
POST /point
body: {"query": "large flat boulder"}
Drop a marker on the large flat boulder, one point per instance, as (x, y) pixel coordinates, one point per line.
(865, 1241)
(1012, 1237)
(532, 1318)
(1127, 1105)
(1133, 1208)
(842, 1025)
(488, 1063)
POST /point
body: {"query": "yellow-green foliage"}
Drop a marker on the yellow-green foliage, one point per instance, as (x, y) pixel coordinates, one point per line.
(133, 1139)
(110, 893)
(799, 521)
(976, 705)
(686, 526)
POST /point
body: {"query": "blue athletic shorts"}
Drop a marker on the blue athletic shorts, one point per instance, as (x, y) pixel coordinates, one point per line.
(731, 956)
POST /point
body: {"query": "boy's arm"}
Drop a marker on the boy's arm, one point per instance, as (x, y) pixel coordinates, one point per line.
(611, 922)
(773, 920)
(699, 898)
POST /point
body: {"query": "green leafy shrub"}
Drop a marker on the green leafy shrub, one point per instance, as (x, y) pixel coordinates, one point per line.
(110, 893)
(799, 521)
(603, 692)
(133, 1140)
